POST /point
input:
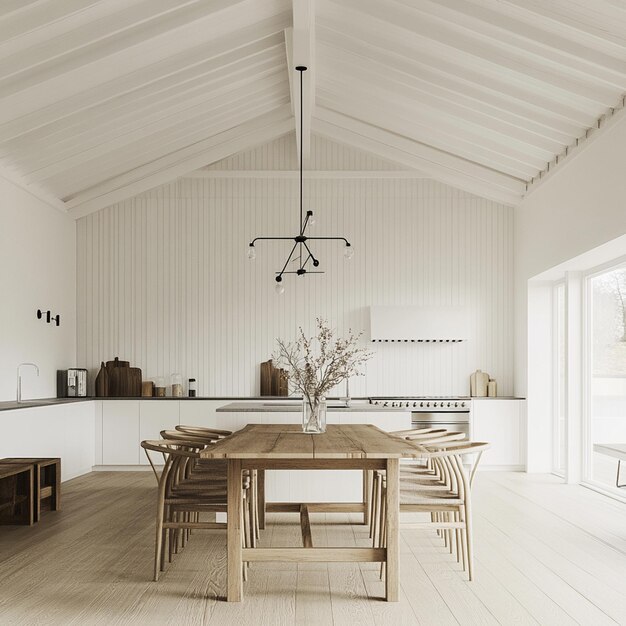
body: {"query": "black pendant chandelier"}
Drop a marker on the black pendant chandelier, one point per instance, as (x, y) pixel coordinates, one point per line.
(300, 252)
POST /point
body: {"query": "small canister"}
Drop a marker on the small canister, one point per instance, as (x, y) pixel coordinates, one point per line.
(192, 388)
(159, 387)
(492, 388)
(177, 386)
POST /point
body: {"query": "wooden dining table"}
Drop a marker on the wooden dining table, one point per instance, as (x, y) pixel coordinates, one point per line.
(285, 447)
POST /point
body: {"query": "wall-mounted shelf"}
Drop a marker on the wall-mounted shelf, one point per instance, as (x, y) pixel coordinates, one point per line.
(417, 340)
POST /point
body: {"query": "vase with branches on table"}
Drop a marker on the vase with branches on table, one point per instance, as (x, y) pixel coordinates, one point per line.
(316, 365)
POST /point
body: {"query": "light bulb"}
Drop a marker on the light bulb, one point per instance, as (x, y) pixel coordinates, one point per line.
(280, 289)
(251, 253)
(348, 251)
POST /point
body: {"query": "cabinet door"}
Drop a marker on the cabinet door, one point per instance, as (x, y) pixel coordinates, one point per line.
(500, 423)
(155, 416)
(120, 432)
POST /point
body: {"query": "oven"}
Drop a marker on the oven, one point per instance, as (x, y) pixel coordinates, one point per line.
(449, 412)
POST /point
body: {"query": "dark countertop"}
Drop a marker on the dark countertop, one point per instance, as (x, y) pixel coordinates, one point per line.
(10, 405)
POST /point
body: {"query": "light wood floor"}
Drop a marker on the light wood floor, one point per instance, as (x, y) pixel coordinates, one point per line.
(545, 553)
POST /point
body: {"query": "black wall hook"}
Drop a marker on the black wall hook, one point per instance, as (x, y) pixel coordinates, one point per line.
(49, 317)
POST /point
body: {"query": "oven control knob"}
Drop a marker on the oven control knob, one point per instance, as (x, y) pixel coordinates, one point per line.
(415, 404)
(456, 404)
(385, 403)
(449, 404)
(428, 404)
(462, 404)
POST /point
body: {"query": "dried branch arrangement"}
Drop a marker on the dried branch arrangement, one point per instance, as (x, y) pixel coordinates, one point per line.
(317, 364)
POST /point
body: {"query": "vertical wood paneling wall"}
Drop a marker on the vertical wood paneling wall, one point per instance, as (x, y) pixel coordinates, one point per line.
(163, 279)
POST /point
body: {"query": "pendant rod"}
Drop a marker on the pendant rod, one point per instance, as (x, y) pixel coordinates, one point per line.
(301, 69)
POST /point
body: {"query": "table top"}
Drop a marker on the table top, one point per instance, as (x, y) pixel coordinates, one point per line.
(287, 441)
(617, 450)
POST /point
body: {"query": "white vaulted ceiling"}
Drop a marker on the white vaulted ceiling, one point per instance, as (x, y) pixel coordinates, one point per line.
(103, 99)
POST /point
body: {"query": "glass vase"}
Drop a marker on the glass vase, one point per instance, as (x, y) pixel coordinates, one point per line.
(314, 415)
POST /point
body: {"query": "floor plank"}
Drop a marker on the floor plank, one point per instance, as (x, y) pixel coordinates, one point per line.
(546, 553)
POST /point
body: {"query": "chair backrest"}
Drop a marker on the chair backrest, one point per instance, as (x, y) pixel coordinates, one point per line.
(457, 450)
(175, 453)
(415, 431)
(203, 430)
(176, 435)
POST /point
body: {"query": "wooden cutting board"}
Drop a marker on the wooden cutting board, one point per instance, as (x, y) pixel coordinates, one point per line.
(134, 381)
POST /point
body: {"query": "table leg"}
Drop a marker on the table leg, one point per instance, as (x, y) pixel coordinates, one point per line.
(366, 497)
(261, 497)
(234, 592)
(392, 529)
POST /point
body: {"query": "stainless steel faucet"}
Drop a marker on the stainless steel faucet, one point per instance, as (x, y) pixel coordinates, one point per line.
(19, 379)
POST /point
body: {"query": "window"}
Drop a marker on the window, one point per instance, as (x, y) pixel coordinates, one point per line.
(559, 389)
(605, 411)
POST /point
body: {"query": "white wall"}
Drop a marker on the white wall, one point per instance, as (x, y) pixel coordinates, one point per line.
(163, 278)
(565, 225)
(37, 271)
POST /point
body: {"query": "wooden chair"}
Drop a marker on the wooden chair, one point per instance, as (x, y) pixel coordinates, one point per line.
(17, 493)
(425, 469)
(47, 481)
(449, 502)
(183, 495)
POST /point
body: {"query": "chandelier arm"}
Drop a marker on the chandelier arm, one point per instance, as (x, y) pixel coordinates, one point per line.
(309, 251)
(329, 239)
(288, 259)
(270, 239)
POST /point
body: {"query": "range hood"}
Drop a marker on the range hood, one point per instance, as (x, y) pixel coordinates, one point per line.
(409, 324)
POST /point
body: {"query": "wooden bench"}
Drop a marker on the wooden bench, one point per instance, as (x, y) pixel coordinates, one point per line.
(17, 481)
(47, 477)
(617, 451)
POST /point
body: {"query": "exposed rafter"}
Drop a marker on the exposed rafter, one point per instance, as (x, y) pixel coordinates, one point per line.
(300, 49)
(442, 166)
(218, 146)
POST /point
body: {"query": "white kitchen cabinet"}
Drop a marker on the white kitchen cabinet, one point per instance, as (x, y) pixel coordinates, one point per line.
(120, 432)
(58, 430)
(155, 416)
(500, 422)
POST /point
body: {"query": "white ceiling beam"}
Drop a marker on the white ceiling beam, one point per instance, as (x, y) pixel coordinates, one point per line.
(334, 61)
(181, 123)
(10, 7)
(513, 164)
(42, 21)
(581, 22)
(169, 143)
(140, 103)
(419, 116)
(81, 70)
(242, 137)
(136, 23)
(441, 166)
(399, 24)
(539, 44)
(486, 123)
(464, 81)
(308, 174)
(105, 127)
(300, 48)
(151, 80)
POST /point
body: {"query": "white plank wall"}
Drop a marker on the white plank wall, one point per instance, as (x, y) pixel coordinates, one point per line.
(163, 278)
